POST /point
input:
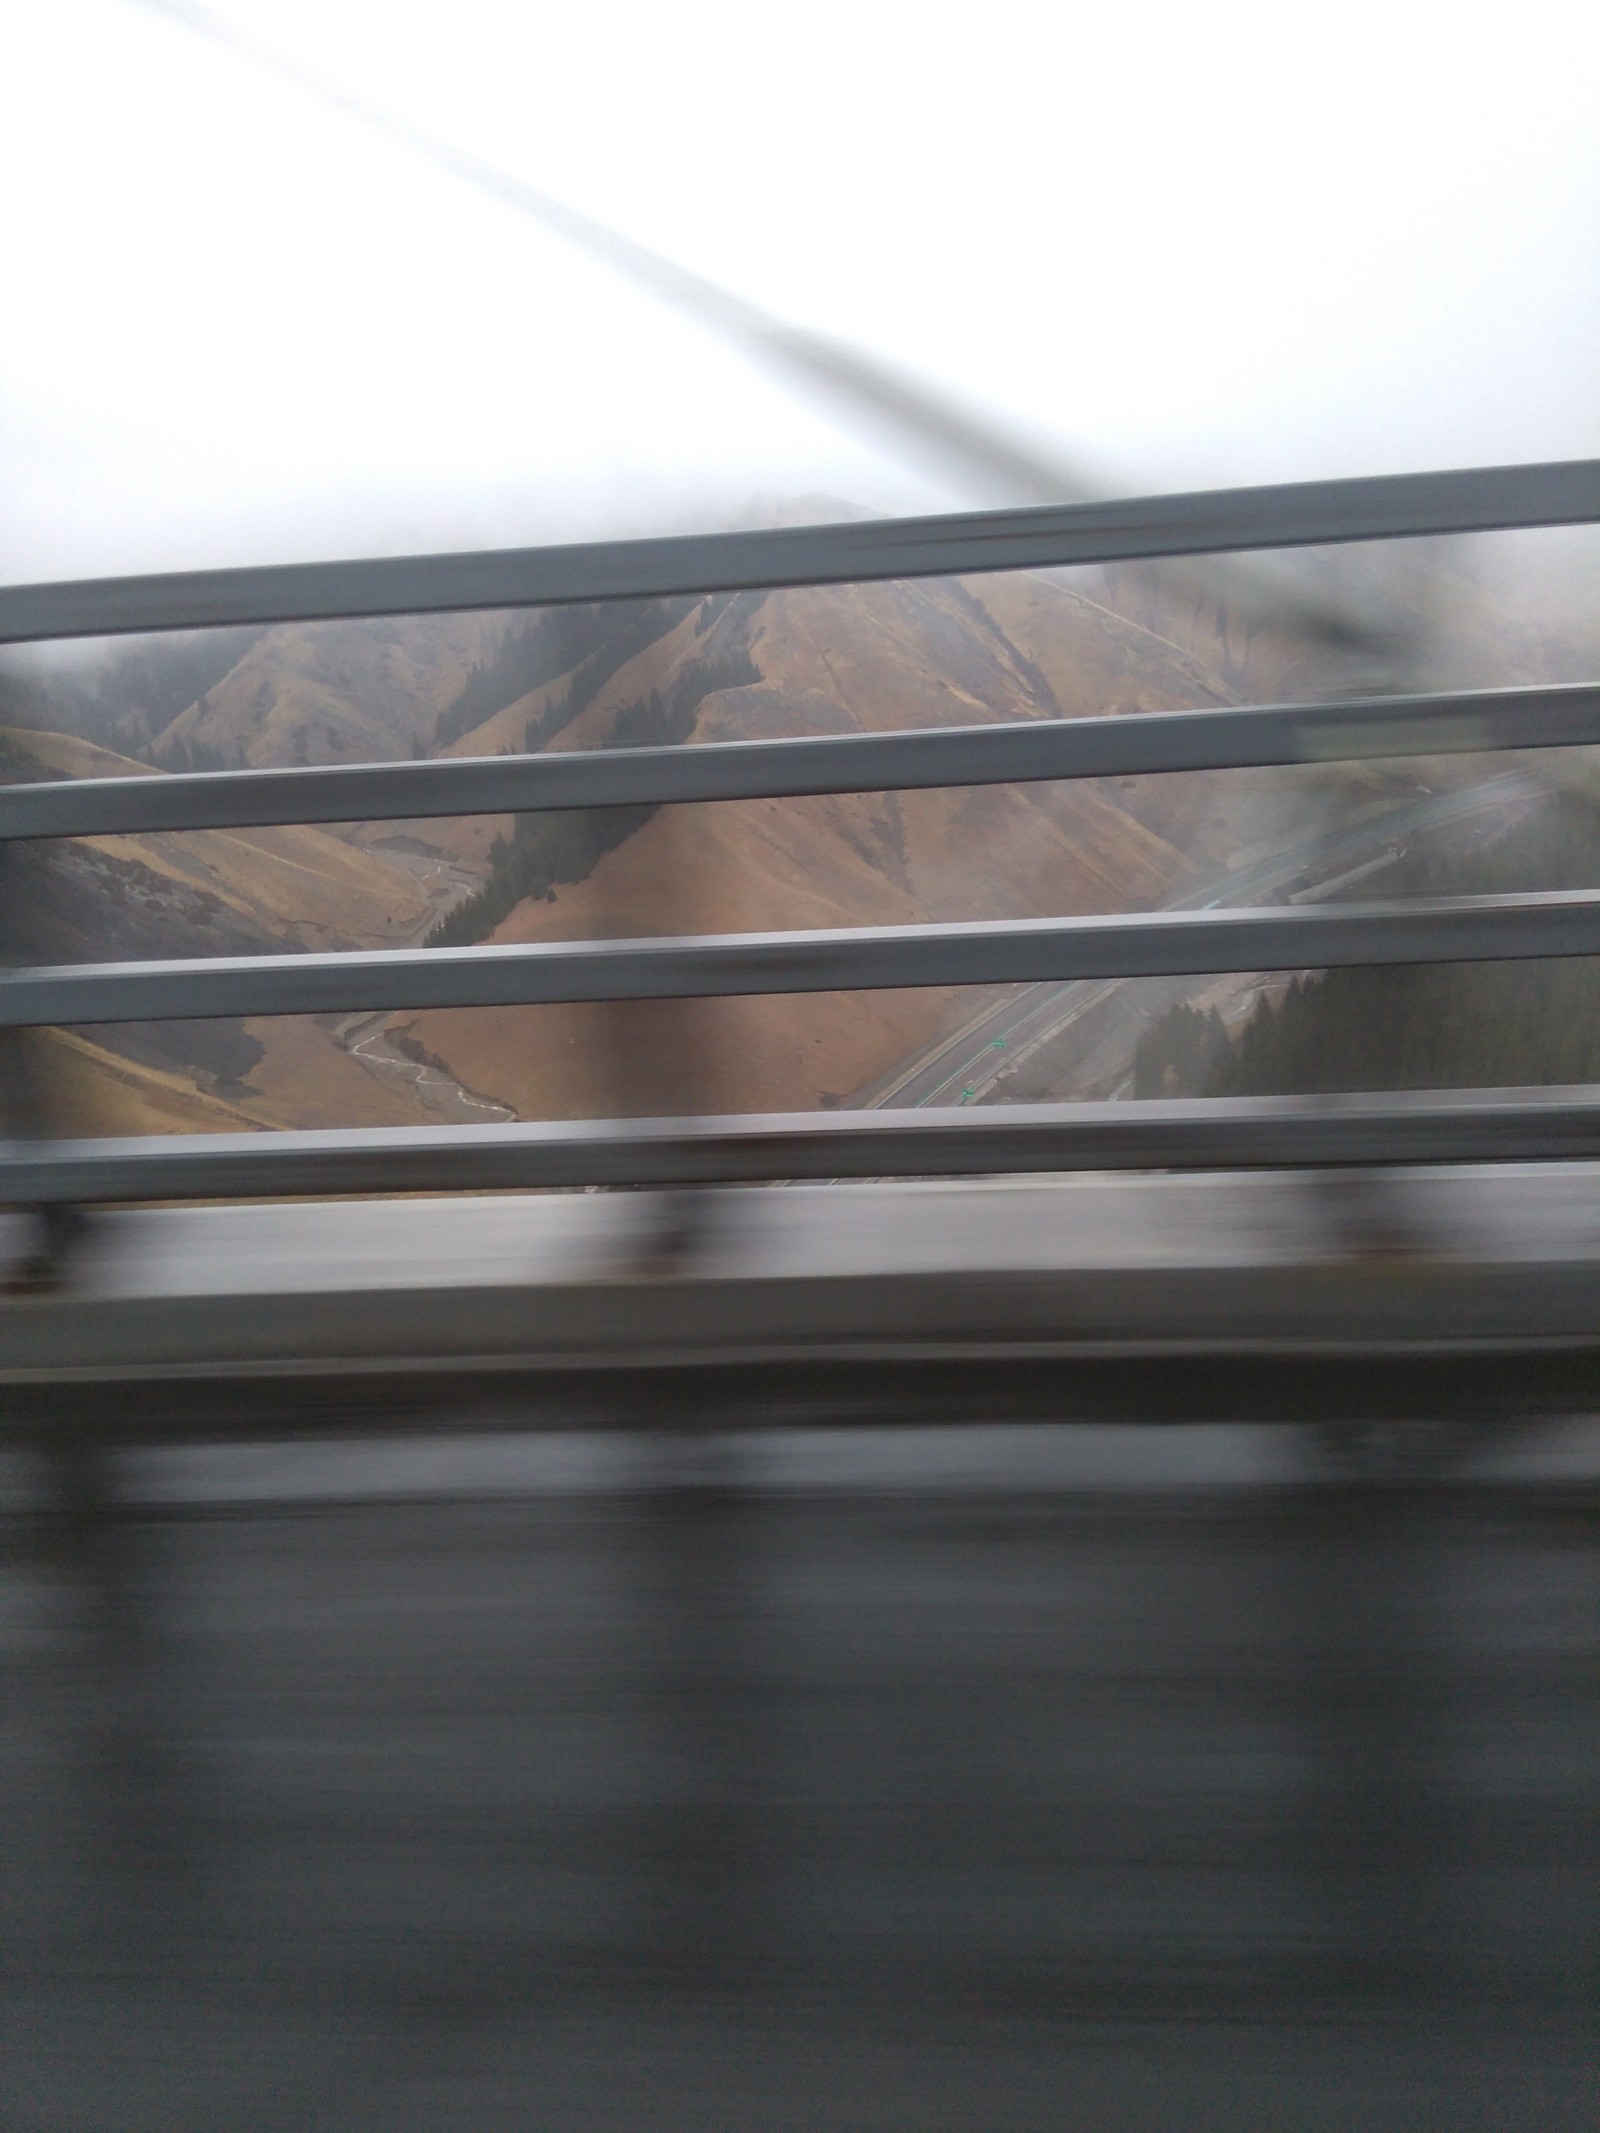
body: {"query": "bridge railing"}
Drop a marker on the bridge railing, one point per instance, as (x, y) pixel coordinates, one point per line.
(1454, 1126)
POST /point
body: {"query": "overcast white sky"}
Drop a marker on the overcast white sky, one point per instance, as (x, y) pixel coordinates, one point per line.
(1183, 245)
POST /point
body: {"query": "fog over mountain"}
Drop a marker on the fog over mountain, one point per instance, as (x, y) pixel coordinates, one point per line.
(1180, 247)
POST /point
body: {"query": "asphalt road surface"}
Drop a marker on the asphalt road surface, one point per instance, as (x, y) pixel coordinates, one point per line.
(703, 1806)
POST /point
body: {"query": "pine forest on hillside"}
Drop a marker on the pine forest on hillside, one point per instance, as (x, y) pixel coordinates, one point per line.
(1427, 1026)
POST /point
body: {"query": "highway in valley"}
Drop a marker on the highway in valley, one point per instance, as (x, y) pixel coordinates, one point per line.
(1107, 1014)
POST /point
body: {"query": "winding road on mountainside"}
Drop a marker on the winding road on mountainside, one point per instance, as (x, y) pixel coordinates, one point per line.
(964, 1068)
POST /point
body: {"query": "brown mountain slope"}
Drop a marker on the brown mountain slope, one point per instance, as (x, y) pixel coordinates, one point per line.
(651, 667)
(210, 892)
(96, 1091)
(835, 659)
(304, 885)
(306, 1077)
(842, 659)
(330, 692)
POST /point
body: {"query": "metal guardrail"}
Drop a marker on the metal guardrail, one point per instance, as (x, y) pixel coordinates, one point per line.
(1138, 745)
(838, 959)
(1022, 951)
(1287, 515)
(1223, 1133)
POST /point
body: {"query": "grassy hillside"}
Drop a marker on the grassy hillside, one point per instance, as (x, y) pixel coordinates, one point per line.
(302, 884)
(826, 660)
(122, 694)
(212, 892)
(97, 1091)
(330, 692)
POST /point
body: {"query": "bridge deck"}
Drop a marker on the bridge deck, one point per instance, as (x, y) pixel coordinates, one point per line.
(1201, 1296)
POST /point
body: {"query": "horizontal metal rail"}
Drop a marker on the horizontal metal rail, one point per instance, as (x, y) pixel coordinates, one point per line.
(1470, 721)
(1292, 514)
(1239, 1133)
(845, 959)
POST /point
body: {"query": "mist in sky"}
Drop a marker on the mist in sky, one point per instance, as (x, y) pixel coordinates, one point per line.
(1175, 246)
